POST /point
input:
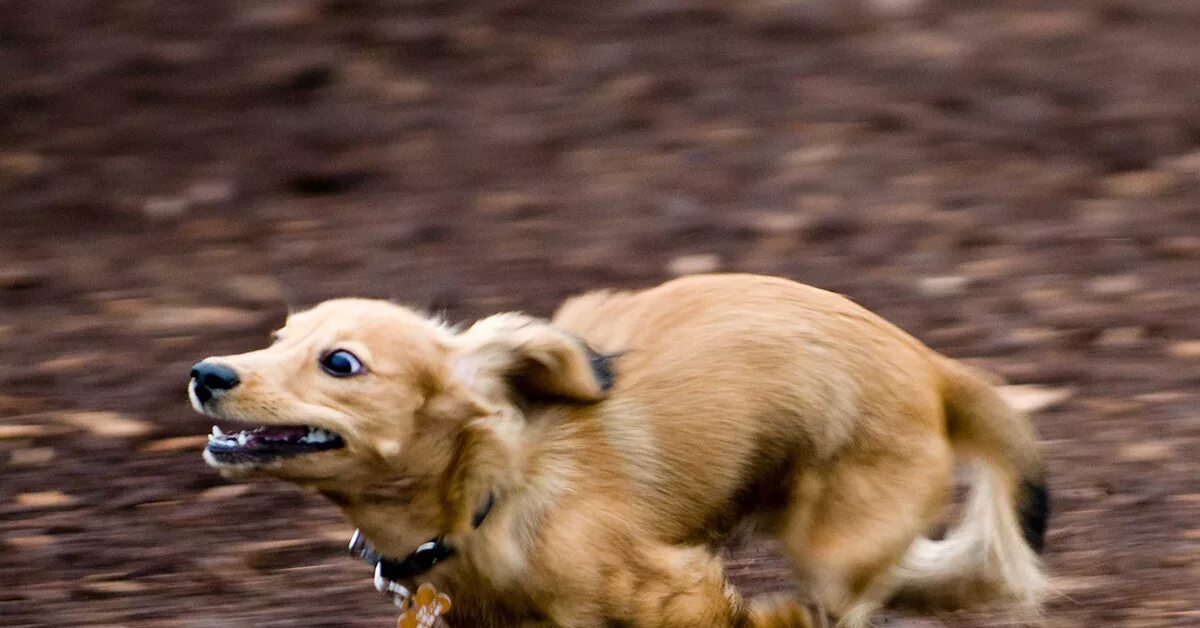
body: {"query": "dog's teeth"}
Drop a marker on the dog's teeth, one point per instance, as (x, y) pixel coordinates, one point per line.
(217, 432)
(241, 438)
(317, 435)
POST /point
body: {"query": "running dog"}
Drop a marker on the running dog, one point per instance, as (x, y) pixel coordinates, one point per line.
(583, 471)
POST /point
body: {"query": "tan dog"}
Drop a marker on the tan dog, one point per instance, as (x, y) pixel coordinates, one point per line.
(582, 472)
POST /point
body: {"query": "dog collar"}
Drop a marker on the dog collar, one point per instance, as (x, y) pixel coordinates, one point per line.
(420, 561)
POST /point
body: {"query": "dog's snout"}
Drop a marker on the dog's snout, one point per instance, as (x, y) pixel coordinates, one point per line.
(210, 377)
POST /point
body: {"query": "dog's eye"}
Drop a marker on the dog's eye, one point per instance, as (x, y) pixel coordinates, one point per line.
(341, 363)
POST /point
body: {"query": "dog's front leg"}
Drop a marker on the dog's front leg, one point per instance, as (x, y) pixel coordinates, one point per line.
(664, 586)
(687, 587)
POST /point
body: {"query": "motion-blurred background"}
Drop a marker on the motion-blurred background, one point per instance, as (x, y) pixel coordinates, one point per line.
(1016, 183)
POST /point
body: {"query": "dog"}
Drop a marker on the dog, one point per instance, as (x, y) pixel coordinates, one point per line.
(583, 471)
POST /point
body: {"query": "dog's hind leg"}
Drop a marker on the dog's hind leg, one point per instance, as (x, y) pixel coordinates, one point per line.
(848, 528)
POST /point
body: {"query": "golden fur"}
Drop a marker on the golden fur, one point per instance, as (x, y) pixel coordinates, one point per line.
(737, 398)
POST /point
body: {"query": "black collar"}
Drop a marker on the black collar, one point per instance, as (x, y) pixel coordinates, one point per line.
(421, 560)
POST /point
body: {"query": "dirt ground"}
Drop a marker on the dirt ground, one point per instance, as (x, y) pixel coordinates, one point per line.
(1016, 186)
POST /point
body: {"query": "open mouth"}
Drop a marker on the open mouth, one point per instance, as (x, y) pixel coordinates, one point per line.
(270, 442)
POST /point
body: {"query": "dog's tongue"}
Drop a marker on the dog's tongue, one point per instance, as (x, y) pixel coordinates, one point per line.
(288, 433)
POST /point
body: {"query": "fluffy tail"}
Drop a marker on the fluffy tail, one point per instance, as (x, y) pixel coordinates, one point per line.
(991, 555)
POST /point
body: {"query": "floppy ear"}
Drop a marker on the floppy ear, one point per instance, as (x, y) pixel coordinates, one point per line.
(535, 357)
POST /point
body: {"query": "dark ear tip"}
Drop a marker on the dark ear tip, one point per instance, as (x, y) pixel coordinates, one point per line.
(602, 368)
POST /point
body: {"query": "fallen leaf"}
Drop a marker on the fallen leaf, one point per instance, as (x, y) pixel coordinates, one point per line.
(31, 456)
(1146, 451)
(777, 223)
(334, 533)
(107, 588)
(15, 432)
(943, 286)
(1139, 184)
(225, 491)
(44, 499)
(70, 363)
(1187, 349)
(29, 541)
(1180, 246)
(18, 405)
(109, 424)
(694, 265)
(176, 320)
(178, 443)
(1164, 396)
(1110, 405)
(1115, 285)
(1120, 336)
(255, 289)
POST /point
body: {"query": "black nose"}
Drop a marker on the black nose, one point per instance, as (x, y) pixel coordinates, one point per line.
(209, 377)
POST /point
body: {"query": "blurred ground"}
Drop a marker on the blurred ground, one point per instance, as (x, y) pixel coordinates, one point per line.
(1014, 185)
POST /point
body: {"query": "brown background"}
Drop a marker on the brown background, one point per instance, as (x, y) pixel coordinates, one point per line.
(1018, 186)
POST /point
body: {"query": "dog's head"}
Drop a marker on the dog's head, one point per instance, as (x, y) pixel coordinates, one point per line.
(357, 392)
